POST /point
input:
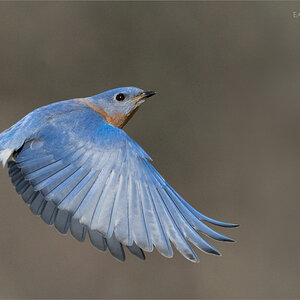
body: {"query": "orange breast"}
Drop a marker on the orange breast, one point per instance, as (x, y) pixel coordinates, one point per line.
(117, 120)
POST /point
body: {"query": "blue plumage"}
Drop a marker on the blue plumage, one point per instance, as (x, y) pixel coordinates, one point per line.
(75, 167)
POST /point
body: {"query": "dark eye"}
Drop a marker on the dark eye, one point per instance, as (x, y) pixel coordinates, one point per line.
(120, 97)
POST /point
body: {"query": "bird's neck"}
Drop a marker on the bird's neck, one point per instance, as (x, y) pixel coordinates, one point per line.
(117, 120)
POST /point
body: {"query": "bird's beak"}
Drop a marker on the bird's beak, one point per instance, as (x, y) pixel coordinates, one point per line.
(143, 96)
(148, 94)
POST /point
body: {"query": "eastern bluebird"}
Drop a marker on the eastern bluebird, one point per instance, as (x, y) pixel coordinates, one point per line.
(75, 167)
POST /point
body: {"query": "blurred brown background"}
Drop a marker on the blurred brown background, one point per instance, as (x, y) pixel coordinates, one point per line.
(223, 130)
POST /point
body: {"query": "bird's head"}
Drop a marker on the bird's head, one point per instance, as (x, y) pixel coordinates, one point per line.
(117, 106)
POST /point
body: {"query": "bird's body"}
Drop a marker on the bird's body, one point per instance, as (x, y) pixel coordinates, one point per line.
(74, 166)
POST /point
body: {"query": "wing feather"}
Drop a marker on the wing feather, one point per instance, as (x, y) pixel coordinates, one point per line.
(22, 187)
(192, 219)
(38, 203)
(78, 230)
(137, 251)
(103, 209)
(107, 187)
(115, 248)
(49, 213)
(71, 201)
(174, 233)
(175, 202)
(158, 234)
(29, 195)
(140, 232)
(189, 233)
(97, 240)
(12, 168)
(62, 221)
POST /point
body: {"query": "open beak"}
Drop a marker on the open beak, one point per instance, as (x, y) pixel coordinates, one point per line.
(143, 96)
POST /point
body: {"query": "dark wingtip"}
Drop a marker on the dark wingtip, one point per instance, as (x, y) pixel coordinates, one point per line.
(213, 251)
(143, 257)
(228, 225)
(119, 258)
(235, 225)
(216, 222)
(227, 240)
(218, 253)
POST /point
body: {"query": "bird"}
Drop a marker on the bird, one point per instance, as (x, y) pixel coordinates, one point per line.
(75, 167)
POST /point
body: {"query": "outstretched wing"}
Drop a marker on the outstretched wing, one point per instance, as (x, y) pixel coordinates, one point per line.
(103, 184)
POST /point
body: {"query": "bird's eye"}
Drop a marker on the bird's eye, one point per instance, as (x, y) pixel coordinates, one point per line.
(120, 97)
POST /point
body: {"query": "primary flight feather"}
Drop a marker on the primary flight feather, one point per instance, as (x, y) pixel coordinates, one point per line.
(75, 167)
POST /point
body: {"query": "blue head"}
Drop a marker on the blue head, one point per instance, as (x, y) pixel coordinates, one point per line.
(118, 105)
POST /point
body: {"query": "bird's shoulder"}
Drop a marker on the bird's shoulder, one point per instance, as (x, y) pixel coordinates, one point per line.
(72, 124)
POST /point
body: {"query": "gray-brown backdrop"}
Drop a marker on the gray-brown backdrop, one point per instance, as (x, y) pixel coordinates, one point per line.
(223, 130)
